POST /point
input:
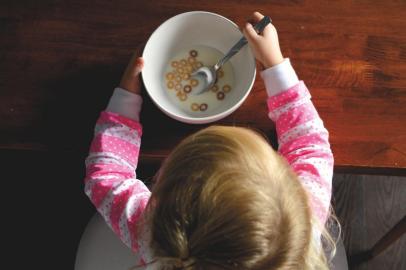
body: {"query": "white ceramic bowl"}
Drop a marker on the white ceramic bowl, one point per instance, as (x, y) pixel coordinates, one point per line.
(184, 31)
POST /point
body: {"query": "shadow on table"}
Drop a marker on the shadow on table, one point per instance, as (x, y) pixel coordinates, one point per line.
(77, 99)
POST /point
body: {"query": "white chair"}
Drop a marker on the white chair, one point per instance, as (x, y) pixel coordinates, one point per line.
(101, 249)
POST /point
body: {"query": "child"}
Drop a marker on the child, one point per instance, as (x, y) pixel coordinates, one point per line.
(223, 199)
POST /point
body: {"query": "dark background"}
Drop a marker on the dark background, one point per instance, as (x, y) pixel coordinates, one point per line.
(60, 60)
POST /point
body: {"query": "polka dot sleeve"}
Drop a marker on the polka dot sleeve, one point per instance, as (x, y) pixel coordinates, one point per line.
(111, 182)
(303, 142)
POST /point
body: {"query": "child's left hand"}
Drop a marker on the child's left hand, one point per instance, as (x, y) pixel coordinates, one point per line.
(131, 80)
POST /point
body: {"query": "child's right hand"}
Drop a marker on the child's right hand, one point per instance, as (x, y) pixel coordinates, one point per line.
(265, 46)
(131, 79)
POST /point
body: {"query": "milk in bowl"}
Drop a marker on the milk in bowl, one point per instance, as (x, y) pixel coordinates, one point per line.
(180, 84)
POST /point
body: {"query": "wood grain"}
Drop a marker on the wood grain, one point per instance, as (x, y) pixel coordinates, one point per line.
(59, 61)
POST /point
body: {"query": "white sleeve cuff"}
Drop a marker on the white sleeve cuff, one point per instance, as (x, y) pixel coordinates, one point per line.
(279, 78)
(125, 103)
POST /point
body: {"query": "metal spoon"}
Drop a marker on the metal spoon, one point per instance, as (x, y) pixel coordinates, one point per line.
(209, 74)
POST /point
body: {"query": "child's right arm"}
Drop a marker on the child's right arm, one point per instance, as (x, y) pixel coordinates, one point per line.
(302, 138)
(110, 180)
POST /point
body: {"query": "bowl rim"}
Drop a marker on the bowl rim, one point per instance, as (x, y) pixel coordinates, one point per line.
(205, 119)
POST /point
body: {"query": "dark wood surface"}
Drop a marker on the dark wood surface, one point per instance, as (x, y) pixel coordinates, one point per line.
(59, 61)
(368, 207)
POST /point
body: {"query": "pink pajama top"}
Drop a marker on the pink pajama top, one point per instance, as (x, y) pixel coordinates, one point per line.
(112, 185)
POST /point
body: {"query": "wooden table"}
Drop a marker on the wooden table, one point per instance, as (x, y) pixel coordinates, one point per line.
(59, 61)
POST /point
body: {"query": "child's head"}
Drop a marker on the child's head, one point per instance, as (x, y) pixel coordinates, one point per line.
(224, 198)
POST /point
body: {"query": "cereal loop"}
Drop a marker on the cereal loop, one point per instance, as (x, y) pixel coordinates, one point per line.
(220, 73)
(203, 107)
(187, 88)
(193, 53)
(180, 70)
(178, 86)
(189, 68)
(194, 82)
(178, 78)
(170, 85)
(183, 62)
(181, 95)
(214, 88)
(191, 59)
(226, 88)
(174, 64)
(195, 107)
(170, 76)
(186, 76)
(220, 95)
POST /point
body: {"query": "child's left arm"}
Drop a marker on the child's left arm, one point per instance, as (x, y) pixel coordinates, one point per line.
(110, 181)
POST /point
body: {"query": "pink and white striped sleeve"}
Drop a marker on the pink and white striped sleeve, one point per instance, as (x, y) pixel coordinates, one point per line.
(110, 181)
(303, 141)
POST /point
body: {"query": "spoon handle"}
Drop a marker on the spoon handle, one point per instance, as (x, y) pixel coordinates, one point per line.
(259, 27)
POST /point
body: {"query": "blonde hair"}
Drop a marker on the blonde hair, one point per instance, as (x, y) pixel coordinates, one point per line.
(224, 199)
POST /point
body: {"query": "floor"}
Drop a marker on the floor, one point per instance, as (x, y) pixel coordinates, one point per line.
(368, 207)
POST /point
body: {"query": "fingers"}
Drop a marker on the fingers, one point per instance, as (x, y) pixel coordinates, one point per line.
(140, 48)
(140, 62)
(136, 64)
(256, 16)
(249, 32)
(254, 19)
(131, 78)
(139, 65)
